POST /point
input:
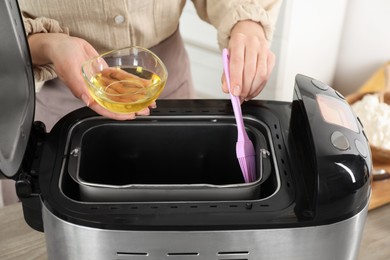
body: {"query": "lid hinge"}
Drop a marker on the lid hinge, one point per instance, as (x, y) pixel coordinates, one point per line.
(27, 183)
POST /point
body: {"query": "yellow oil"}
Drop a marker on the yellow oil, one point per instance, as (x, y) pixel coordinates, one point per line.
(125, 90)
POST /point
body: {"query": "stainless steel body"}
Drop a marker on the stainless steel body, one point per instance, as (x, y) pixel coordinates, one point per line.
(277, 224)
(340, 240)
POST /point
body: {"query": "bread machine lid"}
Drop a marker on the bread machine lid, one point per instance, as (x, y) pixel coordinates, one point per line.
(17, 91)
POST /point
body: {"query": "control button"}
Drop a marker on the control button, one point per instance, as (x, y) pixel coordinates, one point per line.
(119, 19)
(339, 94)
(340, 141)
(361, 148)
(319, 84)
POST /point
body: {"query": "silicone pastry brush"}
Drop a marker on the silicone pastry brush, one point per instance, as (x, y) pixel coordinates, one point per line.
(244, 147)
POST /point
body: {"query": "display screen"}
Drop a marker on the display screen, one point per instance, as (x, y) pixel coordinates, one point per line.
(335, 111)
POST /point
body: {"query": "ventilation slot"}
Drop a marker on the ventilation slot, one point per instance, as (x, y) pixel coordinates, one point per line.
(235, 254)
(183, 254)
(128, 254)
(232, 253)
(232, 258)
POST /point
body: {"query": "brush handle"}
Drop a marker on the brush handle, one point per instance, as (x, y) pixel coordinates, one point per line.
(235, 100)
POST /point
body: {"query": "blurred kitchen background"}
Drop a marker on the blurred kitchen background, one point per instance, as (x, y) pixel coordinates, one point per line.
(340, 42)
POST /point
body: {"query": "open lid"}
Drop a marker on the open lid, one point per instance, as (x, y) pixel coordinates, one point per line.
(17, 91)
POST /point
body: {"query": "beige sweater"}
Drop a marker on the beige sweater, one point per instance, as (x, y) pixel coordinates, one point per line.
(112, 24)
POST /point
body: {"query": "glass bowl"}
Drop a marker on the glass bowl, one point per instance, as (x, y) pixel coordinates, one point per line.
(125, 80)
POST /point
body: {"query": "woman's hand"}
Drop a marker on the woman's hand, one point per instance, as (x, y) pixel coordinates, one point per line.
(251, 61)
(67, 54)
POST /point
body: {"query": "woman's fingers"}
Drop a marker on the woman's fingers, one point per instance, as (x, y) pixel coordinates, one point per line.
(251, 61)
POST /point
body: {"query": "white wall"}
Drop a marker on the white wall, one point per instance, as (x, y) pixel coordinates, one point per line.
(311, 38)
(200, 39)
(365, 44)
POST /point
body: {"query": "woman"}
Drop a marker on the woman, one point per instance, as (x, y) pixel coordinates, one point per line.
(63, 34)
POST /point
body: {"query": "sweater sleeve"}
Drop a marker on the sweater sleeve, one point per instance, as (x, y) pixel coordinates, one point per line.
(223, 15)
(42, 25)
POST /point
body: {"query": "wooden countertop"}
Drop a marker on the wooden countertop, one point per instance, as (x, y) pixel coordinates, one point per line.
(19, 241)
(380, 194)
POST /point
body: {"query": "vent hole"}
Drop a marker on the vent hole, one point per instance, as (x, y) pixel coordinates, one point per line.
(233, 259)
(183, 254)
(233, 253)
(288, 185)
(174, 207)
(233, 206)
(172, 111)
(264, 205)
(280, 147)
(285, 172)
(277, 136)
(213, 206)
(193, 206)
(130, 253)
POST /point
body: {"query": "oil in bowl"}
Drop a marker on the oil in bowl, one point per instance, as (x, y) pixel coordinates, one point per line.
(125, 90)
(117, 84)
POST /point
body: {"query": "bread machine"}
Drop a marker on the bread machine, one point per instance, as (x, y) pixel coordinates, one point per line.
(168, 185)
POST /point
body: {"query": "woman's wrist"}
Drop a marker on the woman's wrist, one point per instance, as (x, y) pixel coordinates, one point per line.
(249, 28)
(42, 45)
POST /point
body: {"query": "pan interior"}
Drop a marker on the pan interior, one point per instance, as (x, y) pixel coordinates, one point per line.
(160, 154)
